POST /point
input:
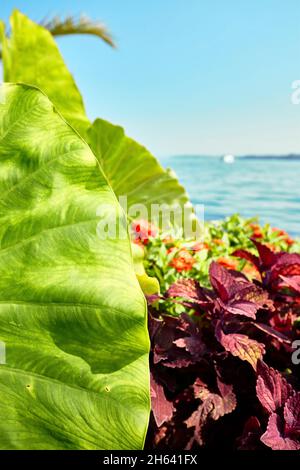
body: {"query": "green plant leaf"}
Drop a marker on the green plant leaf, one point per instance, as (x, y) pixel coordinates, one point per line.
(72, 315)
(149, 285)
(31, 56)
(133, 171)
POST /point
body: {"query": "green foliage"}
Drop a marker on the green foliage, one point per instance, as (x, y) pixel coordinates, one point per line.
(169, 259)
(72, 315)
(149, 285)
(31, 56)
(132, 171)
(76, 297)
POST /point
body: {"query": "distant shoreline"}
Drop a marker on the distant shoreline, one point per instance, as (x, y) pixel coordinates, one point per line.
(294, 157)
(271, 157)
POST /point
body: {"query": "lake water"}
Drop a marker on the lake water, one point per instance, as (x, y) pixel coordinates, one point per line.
(269, 189)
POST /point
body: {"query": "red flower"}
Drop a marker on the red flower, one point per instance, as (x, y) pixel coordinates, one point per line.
(280, 232)
(184, 261)
(256, 231)
(289, 241)
(227, 263)
(285, 236)
(143, 230)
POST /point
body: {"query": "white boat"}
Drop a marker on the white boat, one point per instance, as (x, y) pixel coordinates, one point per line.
(228, 159)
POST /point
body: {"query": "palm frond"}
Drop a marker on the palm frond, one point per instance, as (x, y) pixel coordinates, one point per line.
(82, 25)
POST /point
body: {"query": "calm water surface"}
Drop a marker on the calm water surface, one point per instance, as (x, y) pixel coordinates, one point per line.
(268, 189)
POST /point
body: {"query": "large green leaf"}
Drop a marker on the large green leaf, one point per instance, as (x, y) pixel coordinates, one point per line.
(72, 314)
(132, 170)
(31, 56)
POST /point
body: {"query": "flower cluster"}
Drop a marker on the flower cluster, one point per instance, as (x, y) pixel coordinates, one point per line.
(183, 260)
(142, 231)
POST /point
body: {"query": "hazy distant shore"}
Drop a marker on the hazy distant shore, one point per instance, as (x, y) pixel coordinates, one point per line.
(245, 157)
(271, 157)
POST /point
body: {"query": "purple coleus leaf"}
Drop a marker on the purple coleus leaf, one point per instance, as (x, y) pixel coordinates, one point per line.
(162, 408)
(193, 345)
(233, 294)
(163, 334)
(283, 433)
(241, 346)
(176, 341)
(272, 389)
(267, 257)
(290, 282)
(287, 264)
(284, 273)
(191, 292)
(222, 281)
(154, 325)
(278, 270)
(151, 299)
(268, 330)
(244, 254)
(254, 294)
(213, 406)
(228, 400)
(250, 439)
(190, 341)
(265, 260)
(283, 404)
(291, 415)
(274, 437)
(246, 308)
(237, 296)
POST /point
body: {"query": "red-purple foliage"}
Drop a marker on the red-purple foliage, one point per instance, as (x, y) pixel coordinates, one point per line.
(222, 372)
(282, 403)
(280, 272)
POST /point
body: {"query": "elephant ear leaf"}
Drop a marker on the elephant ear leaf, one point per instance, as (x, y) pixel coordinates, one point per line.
(30, 55)
(134, 172)
(72, 315)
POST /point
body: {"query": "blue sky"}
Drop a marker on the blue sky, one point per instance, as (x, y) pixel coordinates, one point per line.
(189, 76)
